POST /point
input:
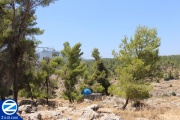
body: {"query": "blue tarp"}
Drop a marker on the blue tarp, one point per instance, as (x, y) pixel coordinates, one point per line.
(86, 91)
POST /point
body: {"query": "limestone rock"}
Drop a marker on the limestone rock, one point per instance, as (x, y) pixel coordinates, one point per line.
(26, 102)
(110, 117)
(88, 114)
(26, 108)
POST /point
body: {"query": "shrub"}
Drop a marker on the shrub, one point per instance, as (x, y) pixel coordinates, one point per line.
(79, 98)
(165, 95)
(170, 85)
(23, 93)
(97, 88)
(173, 94)
(169, 76)
(74, 95)
(176, 75)
(112, 90)
(138, 92)
(166, 78)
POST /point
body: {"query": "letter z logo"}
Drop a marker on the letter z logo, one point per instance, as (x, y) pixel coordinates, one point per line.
(9, 107)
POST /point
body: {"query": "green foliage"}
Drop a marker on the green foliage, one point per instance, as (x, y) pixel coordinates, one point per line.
(64, 96)
(168, 76)
(74, 95)
(23, 93)
(100, 74)
(81, 86)
(176, 75)
(72, 69)
(54, 84)
(113, 90)
(47, 67)
(165, 95)
(97, 88)
(170, 63)
(5, 82)
(79, 98)
(171, 76)
(39, 93)
(173, 94)
(165, 63)
(17, 40)
(139, 60)
(137, 92)
(96, 54)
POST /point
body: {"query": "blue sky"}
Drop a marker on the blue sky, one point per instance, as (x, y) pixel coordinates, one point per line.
(104, 23)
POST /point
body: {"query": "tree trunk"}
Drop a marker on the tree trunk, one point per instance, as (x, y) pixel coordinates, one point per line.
(12, 53)
(124, 106)
(29, 90)
(47, 89)
(15, 90)
(2, 97)
(106, 91)
(15, 85)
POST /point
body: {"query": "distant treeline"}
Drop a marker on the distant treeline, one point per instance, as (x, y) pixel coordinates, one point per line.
(169, 62)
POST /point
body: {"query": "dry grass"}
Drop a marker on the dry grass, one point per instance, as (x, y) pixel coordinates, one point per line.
(173, 114)
(152, 114)
(162, 113)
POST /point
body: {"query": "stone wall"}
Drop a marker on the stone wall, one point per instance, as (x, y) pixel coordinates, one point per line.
(94, 97)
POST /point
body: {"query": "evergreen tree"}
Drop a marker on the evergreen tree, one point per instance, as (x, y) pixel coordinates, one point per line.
(72, 69)
(48, 67)
(38, 83)
(19, 40)
(139, 60)
(100, 74)
(4, 76)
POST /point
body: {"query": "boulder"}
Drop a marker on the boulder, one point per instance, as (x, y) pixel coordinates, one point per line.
(88, 114)
(52, 104)
(34, 109)
(41, 102)
(26, 102)
(26, 108)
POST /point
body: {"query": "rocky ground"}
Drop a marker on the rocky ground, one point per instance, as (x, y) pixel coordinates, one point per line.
(162, 106)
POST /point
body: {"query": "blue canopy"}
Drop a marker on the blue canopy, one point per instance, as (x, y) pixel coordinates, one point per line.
(86, 91)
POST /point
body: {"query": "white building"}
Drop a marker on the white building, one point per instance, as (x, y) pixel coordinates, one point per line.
(47, 53)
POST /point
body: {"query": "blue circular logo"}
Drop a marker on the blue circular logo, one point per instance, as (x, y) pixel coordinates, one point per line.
(9, 107)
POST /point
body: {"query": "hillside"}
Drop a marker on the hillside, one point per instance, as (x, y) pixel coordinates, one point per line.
(162, 106)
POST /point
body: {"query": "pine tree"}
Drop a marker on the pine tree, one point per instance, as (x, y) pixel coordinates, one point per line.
(72, 69)
(100, 74)
(139, 66)
(48, 67)
(19, 40)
